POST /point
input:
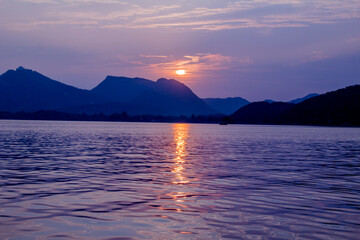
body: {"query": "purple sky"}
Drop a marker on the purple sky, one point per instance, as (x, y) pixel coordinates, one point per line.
(281, 49)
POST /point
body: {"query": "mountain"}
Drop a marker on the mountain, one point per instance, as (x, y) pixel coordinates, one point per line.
(299, 100)
(226, 105)
(122, 89)
(26, 90)
(260, 112)
(142, 96)
(269, 100)
(29, 91)
(340, 107)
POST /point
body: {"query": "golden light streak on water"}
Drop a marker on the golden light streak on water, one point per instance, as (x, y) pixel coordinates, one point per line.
(181, 132)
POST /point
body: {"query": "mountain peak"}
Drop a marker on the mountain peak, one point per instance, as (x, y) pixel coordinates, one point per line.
(112, 78)
(22, 74)
(172, 87)
(122, 79)
(21, 68)
(115, 77)
(299, 100)
(165, 80)
(162, 80)
(164, 97)
(170, 83)
(27, 90)
(122, 89)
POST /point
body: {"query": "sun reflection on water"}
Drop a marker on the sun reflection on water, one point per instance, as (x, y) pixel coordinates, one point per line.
(180, 136)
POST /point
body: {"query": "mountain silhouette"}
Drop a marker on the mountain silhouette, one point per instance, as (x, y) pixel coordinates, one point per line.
(269, 100)
(29, 91)
(299, 100)
(260, 112)
(122, 89)
(142, 96)
(26, 90)
(226, 105)
(340, 107)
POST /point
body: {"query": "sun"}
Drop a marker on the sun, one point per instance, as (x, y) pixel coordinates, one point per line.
(180, 72)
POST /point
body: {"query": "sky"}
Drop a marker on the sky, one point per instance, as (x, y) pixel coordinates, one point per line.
(255, 49)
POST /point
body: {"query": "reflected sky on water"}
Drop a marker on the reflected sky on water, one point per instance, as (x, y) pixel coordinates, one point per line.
(91, 180)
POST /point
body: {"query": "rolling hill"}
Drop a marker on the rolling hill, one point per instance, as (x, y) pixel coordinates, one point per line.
(226, 105)
(27, 90)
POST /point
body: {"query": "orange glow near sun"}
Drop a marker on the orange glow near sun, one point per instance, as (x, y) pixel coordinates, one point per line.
(180, 72)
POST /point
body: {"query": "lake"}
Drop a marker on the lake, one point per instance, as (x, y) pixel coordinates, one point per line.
(103, 180)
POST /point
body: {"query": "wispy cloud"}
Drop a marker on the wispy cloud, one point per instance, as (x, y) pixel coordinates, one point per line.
(123, 14)
(39, 1)
(353, 40)
(189, 15)
(153, 56)
(196, 65)
(317, 55)
(73, 1)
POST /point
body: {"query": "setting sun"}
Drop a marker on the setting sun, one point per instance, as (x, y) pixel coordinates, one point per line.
(180, 72)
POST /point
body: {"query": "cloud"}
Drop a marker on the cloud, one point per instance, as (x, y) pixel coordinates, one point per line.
(73, 1)
(353, 40)
(199, 64)
(211, 16)
(316, 56)
(214, 19)
(39, 1)
(155, 66)
(153, 56)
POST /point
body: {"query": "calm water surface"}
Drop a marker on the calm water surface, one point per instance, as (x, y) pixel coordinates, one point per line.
(94, 180)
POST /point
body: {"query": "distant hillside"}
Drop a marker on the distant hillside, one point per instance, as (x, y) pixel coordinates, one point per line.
(27, 90)
(123, 89)
(226, 105)
(269, 100)
(299, 100)
(340, 107)
(260, 112)
(163, 97)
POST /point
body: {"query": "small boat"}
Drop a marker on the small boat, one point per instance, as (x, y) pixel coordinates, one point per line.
(223, 123)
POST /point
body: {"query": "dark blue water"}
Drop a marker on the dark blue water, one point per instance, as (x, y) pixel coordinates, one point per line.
(94, 180)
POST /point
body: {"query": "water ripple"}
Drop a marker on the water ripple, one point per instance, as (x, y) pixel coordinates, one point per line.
(91, 180)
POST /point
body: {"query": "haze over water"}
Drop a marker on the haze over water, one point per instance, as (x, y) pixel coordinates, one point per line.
(90, 180)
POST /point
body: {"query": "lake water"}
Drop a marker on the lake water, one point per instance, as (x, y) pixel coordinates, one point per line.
(97, 180)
